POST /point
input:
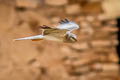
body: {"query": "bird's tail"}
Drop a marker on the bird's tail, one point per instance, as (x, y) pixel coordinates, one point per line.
(33, 38)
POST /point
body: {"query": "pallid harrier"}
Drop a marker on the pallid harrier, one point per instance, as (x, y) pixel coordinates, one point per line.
(62, 33)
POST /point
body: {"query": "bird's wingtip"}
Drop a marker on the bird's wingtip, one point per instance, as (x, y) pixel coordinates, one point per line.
(14, 40)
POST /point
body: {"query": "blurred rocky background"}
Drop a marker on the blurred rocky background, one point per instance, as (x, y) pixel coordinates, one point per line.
(93, 57)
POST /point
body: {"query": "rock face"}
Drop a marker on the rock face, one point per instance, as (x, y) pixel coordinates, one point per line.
(27, 3)
(56, 2)
(111, 9)
(93, 57)
(73, 9)
(7, 17)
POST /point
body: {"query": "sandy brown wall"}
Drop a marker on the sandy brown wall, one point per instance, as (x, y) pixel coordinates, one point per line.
(93, 57)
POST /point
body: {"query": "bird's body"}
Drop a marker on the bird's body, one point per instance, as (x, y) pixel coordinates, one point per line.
(62, 33)
(54, 34)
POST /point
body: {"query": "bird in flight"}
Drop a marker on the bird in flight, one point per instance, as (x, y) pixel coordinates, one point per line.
(62, 33)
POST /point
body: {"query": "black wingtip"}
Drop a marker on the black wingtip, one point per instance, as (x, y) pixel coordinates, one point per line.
(64, 21)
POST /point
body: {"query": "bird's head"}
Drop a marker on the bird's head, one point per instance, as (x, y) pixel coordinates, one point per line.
(73, 38)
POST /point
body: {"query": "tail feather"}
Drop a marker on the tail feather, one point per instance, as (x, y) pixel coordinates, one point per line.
(31, 38)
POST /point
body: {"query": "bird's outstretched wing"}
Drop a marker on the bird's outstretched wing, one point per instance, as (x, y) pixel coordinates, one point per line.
(33, 38)
(66, 24)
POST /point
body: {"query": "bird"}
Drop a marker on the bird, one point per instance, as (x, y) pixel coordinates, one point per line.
(62, 33)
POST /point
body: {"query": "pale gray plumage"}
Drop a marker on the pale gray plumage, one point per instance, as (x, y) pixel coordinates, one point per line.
(69, 25)
(31, 37)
